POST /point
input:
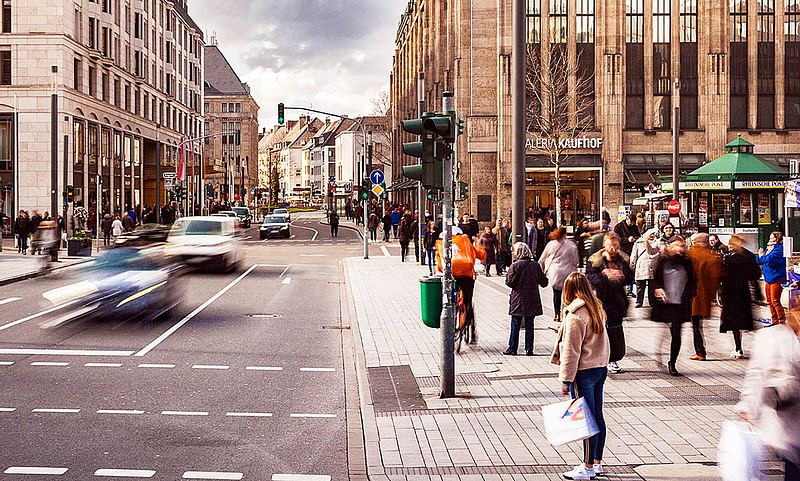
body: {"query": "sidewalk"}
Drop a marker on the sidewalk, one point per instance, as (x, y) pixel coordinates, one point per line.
(16, 267)
(660, 427)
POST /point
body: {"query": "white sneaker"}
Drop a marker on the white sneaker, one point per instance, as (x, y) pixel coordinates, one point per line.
(580, 472)
(599, 470)
(614, 368)
(738, 355)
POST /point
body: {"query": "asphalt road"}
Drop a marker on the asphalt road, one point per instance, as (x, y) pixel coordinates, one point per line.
(245, 381)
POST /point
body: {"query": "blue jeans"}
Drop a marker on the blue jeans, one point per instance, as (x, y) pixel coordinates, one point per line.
(513, 340)
(589, 385)
(431, 260)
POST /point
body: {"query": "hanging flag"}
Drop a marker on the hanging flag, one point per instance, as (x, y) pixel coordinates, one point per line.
(180, 169)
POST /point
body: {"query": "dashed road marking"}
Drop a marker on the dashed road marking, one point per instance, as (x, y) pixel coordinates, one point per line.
(287, 281)
(210, 367)
(125, 473)
(64, 352)
(184, 413)
(311, 415)
(299, 477)
(49, 363)
(103, 364)
(119, 411)
(249, 415)
(385, 251)
(6, 363)
(157, 366)
(263, 368)
(317, 369)
(211, 475)
(9, 300)
(7, 410)
(35, 470)
(56, 410)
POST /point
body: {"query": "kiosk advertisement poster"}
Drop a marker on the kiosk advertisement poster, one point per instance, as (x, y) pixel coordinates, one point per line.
(702, 211)
(791, 194)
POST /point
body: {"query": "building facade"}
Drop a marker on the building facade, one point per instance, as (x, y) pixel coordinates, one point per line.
(736, 63)
(231, 126)
(128, 78)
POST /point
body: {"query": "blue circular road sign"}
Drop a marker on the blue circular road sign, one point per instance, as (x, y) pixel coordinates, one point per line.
(377, 177)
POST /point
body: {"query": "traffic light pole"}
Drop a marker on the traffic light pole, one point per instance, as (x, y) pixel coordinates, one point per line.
(518, 121)
(447, 377)
(421, 227)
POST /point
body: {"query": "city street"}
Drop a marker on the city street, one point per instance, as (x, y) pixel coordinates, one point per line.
(245, 381)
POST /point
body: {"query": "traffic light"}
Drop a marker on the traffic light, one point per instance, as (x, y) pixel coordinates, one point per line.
(281, 116)
(432, 148)
(459, 127)
(70, 194)
(365, 189)
(463, 190)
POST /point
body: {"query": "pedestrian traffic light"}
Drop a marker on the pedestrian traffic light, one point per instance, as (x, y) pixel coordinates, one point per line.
(70, 194)
(365, 189)
(459, 127)
(463, 190)
(281, 116)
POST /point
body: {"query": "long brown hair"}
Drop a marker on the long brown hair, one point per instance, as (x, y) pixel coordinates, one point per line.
(577, 286)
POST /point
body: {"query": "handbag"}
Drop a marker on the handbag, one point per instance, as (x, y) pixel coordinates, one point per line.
(616, 341)
(739, 452)
(568, 421)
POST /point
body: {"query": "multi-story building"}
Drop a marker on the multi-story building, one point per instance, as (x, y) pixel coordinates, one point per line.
(291, 152)
(231, 124)
(736, 61)
(128, 77)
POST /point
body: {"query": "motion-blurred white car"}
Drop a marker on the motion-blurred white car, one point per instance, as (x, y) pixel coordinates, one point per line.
(207, 241)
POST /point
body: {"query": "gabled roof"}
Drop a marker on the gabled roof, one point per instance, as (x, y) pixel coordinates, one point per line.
(739, 163)
(220, 78)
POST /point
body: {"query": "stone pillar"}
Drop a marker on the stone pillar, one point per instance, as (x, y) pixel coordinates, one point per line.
(648, 64)
(504, 127)
(714, 75)
(752, 63)
(610, 48)
(780, 62)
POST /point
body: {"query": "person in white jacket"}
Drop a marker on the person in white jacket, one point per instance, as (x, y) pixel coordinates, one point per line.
(116, 227)
(559, 259)
(771, 394)
(642, 264)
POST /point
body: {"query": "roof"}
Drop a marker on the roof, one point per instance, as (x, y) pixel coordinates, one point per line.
(220, 77)
(739, 163)
(181, 9)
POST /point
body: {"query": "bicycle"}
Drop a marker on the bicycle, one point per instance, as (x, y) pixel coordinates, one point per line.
(464, 331)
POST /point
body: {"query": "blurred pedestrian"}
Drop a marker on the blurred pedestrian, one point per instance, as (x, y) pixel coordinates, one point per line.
(21, 229)
(105, 226)
(541, 237)
(582, 233)
(740, 276)
(415, 238)
(489, 243)
(642, 264)
(468, 227)
(127, 222)
(674, 287)
(372, 226)
(582, 352)
(559, 260)
(641, 222)
(117, 228)
(406, 233)
(707, 267)
(396, 217)
(716, 245)
(503, 245)
(333, 219)
(609, 271)
(431, 236)
(524, 277)
(774, 266)
(628, 233)
(771, 392)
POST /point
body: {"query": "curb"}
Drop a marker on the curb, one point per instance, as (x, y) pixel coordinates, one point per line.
(39, 273)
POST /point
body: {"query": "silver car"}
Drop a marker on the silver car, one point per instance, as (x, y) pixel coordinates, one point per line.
(205, 241)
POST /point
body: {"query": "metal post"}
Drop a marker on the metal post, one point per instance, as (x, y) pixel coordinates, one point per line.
(98, 182)
(54, 144)
(676, 125)
(366, 201)
(66, 180)
(447, 377)
(518, 124)
(420, 190)
(158, 174)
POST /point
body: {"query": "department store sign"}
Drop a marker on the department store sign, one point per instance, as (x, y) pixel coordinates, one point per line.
(578, 143)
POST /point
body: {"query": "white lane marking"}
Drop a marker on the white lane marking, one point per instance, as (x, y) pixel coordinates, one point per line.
(287, 281)
(208, 366)
(10, 300)
(56, 410)
(317, 369)
(211, 475)
(284, 272)
(64, 352)
(249, 415)
(34, 316)
(299, 477)
(272, 265)
(6, 363)
(248, 237)
(119, 411)
(316, 232)
(385, 251)
(263, 368)
(50, 363)
(195, 312)
(312, 255)
(311, 415)
(35, 470)
(184, 413)
(7, 410)
(156, 366)
(125, 473)
(103, 364)
(292, 237)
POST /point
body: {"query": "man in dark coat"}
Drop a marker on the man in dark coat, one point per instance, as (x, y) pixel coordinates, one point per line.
(334, 221)
(524, 277)
(22, 230)
(406, 233)
(740, 273)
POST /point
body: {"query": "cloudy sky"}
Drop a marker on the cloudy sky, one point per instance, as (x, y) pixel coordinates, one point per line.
(332, 55)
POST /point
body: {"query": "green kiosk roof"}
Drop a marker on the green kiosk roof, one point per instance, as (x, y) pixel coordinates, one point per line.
(738, 163)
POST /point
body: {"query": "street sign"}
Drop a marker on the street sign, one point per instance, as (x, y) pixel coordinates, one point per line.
(651, 188)
(377, 177)
(169, 175)
(674, 207)
(377, 189)
(168, 184)
(332, 178)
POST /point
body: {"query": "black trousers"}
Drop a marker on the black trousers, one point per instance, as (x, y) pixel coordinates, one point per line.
(403, 250)
(697, 336)
(640, 288)
(335, 230)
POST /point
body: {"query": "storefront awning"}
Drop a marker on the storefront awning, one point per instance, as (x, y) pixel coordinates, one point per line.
(402, 185)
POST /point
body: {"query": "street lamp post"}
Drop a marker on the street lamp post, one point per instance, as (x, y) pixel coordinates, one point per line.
(676, 125)
(518, 124)
(54, 144)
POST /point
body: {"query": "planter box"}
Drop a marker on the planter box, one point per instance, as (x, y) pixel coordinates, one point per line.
(78, 248)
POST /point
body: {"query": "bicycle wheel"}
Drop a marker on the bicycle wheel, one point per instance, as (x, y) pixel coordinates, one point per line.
(462, 329)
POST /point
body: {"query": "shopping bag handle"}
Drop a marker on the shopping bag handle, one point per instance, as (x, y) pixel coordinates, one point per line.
(570, 407)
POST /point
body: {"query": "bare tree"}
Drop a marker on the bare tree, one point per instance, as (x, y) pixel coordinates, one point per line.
(381, 131)
(560, 106)
(274, 173)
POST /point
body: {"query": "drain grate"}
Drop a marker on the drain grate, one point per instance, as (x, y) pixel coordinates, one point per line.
(474, 379)
(343, 328)
(479, 470)
(265, 316)
(394, 389)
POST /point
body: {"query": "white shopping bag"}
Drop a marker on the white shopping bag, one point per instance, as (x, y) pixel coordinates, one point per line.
(740, 452)
(568, 421)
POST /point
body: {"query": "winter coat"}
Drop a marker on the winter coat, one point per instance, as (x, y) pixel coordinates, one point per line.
(127, 223)
(524, 277)
(116, 227)
(613, 294)
(681, 311)
(22, 226)
(625, 232)
(707, 268)
(774, 265)
(578, 347)
(489, 244)
(431, 236)
(503, 240)
(559, 259)
(395, 218)
(387, 222)
(406, 230)
(106, 225)
(771, 391)
(334, 219)
(739, 271)
(642, 261)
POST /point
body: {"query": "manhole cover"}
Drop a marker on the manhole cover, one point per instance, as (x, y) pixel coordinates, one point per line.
(343, 328)
(265, 316)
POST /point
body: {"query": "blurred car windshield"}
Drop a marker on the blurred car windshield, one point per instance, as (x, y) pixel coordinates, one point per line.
(280, 211)
(241, 210)
(274, 219)
(197, 227)
(125, 259)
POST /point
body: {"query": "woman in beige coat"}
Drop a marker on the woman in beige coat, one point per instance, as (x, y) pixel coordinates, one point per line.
(558, 260)
(582, 352)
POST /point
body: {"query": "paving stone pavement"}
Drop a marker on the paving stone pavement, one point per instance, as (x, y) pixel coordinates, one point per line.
(493, 429)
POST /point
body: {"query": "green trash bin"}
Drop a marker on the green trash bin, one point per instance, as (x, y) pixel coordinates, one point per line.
(430, 290)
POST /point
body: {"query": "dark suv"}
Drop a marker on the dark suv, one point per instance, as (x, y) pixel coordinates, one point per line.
(244, 215)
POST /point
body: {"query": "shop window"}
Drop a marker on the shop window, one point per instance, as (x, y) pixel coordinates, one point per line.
(722, 210)
(6, 145)
(746, 209)
(764, 209)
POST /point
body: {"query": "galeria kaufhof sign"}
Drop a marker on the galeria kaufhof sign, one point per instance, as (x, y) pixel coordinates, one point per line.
(579, 143)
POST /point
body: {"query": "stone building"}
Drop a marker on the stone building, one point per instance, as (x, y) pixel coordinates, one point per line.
(737, 63)
(231, 123)
(128, 77)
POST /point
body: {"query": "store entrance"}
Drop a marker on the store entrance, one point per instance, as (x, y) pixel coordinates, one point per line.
(580, 193)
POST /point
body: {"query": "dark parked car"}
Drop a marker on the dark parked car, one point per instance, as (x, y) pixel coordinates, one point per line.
(243, 213)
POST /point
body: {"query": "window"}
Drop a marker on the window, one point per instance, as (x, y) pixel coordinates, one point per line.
(558, 21)
(77, 74)
(224, 108)
(117, 97)
(6, 16)
(766, 65)
(106, 6)
(634, 64)
(146, 104)
(5, 67)
(78, 26)
(6, 145)
(137, 25)
(585, 21)
(104, 87)
(662, 77)
(688, 51)
(738, 65)
(127, 97)
(688, 21)
(92, 81)
(585, 59)
(92, 33)
(634, 16)
(238, 107)
(127, 18)
(792, 65)
(205, 107)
